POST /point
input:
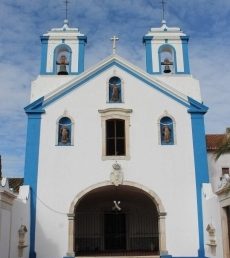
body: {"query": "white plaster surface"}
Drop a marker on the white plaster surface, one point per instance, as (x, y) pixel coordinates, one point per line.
(212, 215)
(65, 171)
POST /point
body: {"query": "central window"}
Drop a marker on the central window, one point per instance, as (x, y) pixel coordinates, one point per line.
(115, 133)
(115, 137)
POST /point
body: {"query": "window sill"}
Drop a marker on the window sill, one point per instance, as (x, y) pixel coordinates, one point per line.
(127, 157)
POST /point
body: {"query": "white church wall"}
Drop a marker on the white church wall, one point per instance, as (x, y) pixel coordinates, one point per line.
(185, 84)
(6, 202)
(5, 222)
(48, 83)
(20, 217)
(64, 171)
(212, 217)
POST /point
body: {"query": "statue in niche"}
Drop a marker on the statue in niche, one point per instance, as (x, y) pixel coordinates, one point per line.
(64, 134)
(115, 95)
(166, 133)
(62, 65)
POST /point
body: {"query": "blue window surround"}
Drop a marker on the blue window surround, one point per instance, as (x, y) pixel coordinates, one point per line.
(65, 122)
(55, 56)
(167, 121)
(117, 81)
(34, 112)
(147, 40)
(82, 40)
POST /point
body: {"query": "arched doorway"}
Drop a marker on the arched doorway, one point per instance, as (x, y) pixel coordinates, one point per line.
(116, 220)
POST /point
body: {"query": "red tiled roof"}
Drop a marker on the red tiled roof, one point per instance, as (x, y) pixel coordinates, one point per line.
(213, 141)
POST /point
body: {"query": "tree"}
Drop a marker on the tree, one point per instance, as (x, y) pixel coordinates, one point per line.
(224, 147)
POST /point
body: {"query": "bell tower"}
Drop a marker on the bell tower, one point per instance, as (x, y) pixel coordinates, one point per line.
(166, 51)
(62, 51)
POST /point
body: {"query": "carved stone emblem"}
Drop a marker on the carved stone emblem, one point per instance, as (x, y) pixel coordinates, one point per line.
(116, 176)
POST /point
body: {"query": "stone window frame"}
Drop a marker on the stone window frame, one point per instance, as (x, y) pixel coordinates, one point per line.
(115, 113)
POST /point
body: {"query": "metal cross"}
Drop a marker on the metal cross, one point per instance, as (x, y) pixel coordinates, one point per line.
(163, 2)
(66, 9)
(114, 39)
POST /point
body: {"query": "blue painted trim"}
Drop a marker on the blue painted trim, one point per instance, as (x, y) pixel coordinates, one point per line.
(185, 40)
(147, 40)
(174, 57)
(35, 107)
(38, 105)
(56, 50)
(81, 53)
(201, 168)
(31, 171)
(196, 107)
(44, 48)
(105, 67)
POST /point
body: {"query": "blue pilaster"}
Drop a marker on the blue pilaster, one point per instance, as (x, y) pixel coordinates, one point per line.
(185, 40)
(147, 40)
(197, 111)
(81, 54)
(31, 164)
(44, 47)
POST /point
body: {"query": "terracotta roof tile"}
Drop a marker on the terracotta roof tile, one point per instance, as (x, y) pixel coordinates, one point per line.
(213, 141)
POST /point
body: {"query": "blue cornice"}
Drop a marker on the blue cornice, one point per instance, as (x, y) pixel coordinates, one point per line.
(147, 38)
(82, 38)
(196, 107)
(35, 107)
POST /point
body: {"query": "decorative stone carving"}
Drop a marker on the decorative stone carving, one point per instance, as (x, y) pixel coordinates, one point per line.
(21, 243)
(116, 176)
(224, 182)
(212, 237)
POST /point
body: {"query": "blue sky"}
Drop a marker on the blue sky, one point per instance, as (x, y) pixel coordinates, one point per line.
(207, 22)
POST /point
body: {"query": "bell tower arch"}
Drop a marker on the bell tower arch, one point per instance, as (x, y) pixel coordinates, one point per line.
(166, 50)
(62, 51)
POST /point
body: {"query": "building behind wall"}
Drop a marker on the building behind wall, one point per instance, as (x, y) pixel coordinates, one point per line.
(220, 179)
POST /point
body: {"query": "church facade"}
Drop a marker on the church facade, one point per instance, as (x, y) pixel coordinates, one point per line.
(115, 155)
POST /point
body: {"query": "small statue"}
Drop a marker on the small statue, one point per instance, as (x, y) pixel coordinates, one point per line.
(166, 133)
(64, 134)
(63, 63)
(115, 92)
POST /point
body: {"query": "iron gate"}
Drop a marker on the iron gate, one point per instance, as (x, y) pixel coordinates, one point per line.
(116, 233)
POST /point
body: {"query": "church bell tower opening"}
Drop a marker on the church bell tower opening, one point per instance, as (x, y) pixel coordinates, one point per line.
(114, 221)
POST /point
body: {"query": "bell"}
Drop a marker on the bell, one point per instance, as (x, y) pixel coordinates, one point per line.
(62, 70)
(167, 64)
(62, 65)
(167, 69)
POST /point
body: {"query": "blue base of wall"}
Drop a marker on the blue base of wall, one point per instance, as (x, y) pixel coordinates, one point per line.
(32, 255)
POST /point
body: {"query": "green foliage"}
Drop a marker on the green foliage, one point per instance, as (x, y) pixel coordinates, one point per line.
(223, 148)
